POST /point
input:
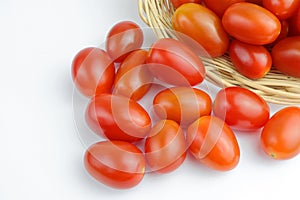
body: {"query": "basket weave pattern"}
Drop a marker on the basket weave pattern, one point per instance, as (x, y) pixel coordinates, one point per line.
(275, 87)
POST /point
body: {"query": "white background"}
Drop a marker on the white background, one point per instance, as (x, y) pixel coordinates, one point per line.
(40, 151)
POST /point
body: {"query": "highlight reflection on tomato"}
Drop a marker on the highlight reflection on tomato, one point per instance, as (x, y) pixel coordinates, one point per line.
(241, 108)
(165, 147)
(123, 38)
(202, 25)
(133, 78)
(251, 23)
(212, 142)
(280, 138)
(93, 71)
(175, 63)
(118, 118)
(117, 164)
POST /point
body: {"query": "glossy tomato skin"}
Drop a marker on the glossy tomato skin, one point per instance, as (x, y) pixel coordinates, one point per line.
(252, 61)
(241, 108)
(283, 9)
(219, 6)
(117, 164)
(182, 104)
(165, 147)
(280, 138)
(251, 23)
(93, 71)
(212, 142)
(175, 63)
(177, 3)
(202, 25)
(133, 78)
(286, 56)
(123, 38)
(118, 118)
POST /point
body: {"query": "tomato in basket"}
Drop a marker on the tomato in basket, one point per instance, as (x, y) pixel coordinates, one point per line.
(117, 118)
(203, 26)
(219, 6)
(283, 9)
(294, 24)
(280, 138)
(177, 3)
(286, 56)
(252, 61)
(165, 147)
(251, 23)
(123, 38)
(93, 71)
(117, 164)
(212, 142)
(241, 108)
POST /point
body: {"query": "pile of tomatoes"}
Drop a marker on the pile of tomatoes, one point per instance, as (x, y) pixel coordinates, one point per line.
(256, 35)
(187, 119)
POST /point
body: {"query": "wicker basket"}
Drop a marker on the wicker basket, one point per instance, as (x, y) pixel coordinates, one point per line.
(275, 87)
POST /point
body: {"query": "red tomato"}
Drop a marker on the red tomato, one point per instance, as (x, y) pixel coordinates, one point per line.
(294, 24)
(280, 137)
(165, 148)
(175, 63)
(93, 71)
(285, 28)
(177, 3)
(116, 164)
(258, 2)
(283, 9)
(118, 118)
(251, 23)
(133, 78)
(286, 56)
(123, 37)
(212, 142)
(241, 108)
(203, 26)
(182, 104)
(219, 6)
(252, 61)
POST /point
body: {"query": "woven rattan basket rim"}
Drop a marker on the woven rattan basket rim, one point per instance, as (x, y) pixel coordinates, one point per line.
(275, 87)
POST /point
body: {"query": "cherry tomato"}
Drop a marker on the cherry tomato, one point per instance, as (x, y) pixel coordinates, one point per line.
(182, 104)
(133, 78)
(202, 25)
(251, 23)
(294, 24)
(285, 28)
(252, 61)
(213, 143)
(286, 56)
(118, 118)
(241, 108)
(175, 63)
(93, 71)
(123, 38)
(219, 6)
(165, 148)
(280, 137)
(283, 9)
(117, 164)
(177, 3)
